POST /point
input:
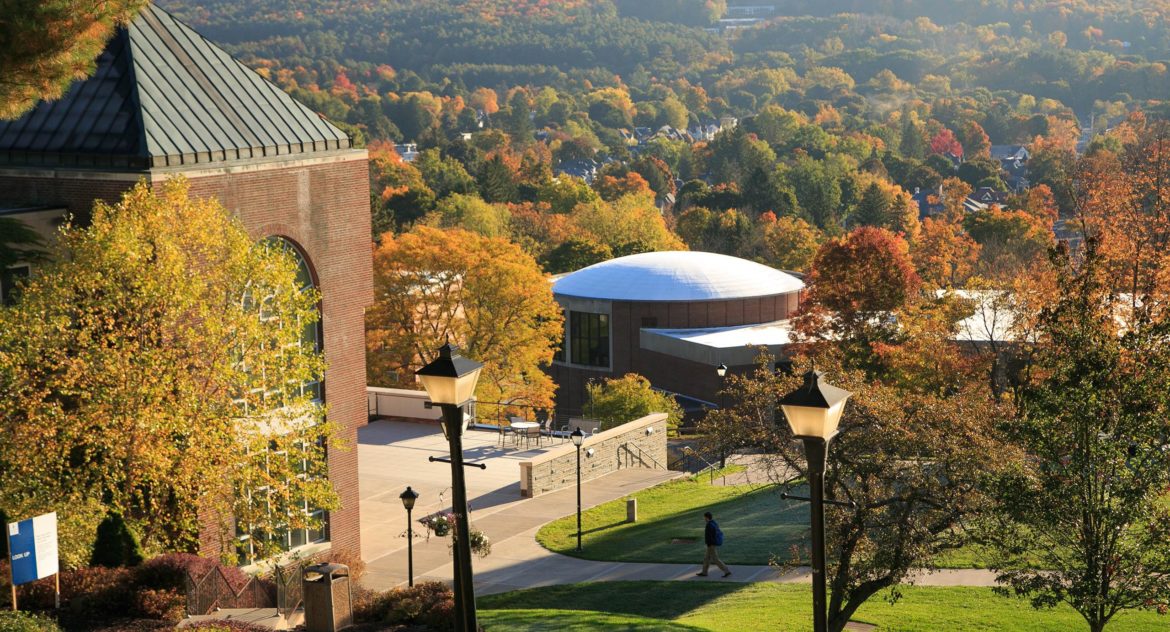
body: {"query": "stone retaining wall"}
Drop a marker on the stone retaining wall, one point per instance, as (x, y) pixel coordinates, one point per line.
(638, 443)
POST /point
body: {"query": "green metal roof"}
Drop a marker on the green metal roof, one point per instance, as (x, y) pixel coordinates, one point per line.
(163, 96)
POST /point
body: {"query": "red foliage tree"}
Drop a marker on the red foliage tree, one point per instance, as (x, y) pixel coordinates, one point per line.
(945, 143)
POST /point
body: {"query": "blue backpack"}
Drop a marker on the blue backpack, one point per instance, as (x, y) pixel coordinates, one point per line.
(718, 536)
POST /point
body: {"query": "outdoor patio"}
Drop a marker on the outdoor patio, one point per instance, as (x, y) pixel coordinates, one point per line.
(394, 454)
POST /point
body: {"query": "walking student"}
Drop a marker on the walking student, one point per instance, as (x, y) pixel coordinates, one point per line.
(713, 537)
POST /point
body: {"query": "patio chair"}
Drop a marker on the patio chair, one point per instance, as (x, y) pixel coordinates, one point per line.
(504, 432)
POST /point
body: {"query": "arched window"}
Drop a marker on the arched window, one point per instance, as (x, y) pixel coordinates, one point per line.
(311, 338)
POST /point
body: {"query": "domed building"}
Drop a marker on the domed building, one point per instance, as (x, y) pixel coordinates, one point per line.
(672, 317)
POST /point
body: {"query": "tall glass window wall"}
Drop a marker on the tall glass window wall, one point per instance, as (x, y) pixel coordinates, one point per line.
(589, 339)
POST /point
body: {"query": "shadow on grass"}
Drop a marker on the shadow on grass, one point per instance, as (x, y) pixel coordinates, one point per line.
(658, 600)
(576, 621)
(757, 525)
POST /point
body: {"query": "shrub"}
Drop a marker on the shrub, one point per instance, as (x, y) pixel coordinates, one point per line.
(26, 622)
(168, 604)
(429, 603)
(357, 566)
(169, 571)
(116, 544)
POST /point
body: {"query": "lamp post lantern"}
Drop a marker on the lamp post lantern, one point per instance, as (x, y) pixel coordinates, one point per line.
(408, 497)
(813, 411)
(450, 382)
(578, 438)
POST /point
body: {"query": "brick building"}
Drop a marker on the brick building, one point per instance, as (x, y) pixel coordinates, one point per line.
(165, 101)
(672, 317)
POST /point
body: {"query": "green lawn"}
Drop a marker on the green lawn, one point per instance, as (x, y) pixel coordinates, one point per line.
(756, 522)
(715, 606)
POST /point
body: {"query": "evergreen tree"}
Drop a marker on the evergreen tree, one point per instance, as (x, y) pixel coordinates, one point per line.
(115, 545)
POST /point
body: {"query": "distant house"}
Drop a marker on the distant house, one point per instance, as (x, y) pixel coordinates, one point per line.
(1010, 152)
(989, 196)
(408, 151)
(1013, 159)
(584, 169)
(926, 206)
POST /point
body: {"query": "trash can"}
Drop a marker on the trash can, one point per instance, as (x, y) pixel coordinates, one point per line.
(328, 597)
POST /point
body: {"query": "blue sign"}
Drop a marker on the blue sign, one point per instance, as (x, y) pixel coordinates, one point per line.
(32, 544)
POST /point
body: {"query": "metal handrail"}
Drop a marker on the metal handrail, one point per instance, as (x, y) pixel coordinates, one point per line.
(641, 453)
(710, 466)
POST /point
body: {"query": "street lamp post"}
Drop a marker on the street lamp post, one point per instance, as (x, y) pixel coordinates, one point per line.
(408, 497)
(450, 382)
(721, 371)
(578, 438)
(813, 412)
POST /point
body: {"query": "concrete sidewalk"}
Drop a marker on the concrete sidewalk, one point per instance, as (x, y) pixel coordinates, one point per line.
(516, 561)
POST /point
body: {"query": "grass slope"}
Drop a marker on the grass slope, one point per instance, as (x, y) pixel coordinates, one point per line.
(758, 525)
(755, 521)
(720, 607)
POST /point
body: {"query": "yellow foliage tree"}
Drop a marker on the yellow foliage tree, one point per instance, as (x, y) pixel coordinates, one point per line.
(483, 294)
(157, 364)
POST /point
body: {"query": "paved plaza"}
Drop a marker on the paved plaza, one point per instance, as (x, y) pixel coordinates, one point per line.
(394, 455)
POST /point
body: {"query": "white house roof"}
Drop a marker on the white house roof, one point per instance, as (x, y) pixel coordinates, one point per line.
(676, 276)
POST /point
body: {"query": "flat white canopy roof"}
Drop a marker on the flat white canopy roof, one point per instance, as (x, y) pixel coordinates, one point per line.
(734, 346)
(676, 276)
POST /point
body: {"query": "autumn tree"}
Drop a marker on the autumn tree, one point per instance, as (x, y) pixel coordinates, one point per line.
(884, 205)
(398, 194)
(1088, 504)
(787, 243)
(483, 294)
(615, 401)
(1010, 241)
(944, 254)
(49, 45)
(856, 283)
(910, 463)
(629, 218)
(157, 364)
(945, 144)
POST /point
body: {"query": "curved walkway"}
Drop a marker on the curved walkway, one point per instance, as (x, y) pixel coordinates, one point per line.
(517, 561)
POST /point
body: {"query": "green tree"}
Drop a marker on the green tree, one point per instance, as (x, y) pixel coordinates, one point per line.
(154, 362)
(444, 175)
(615, 401)
(115, 544)
(18, 242)
(398, 194)
(496, 180)
(574, 254)
(50, 44)
(470, 213)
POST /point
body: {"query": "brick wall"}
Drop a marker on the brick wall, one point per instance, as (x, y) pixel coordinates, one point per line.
(667, 372)
(320, 204)
(557, 468)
